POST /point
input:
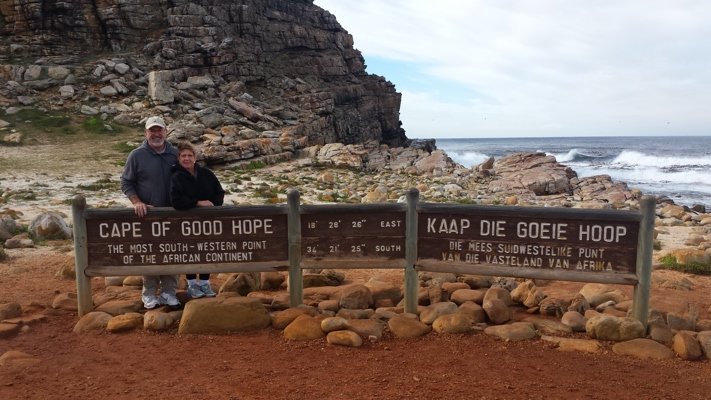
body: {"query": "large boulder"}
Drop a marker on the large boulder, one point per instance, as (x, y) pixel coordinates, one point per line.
(403, 326)
(536, 172)
(93, 321)
(242, 283)
(222, 315)
(608, 327)
(18, 359)
(7, 228)
(497, 311)
(686, 346)
(355, 297)
(704, 339)
(341, 155)
(344, 338)
(514, 332)
(460, 322)
(304, 327)
(430, 313)
(598, 293)
(10, 310)
(281, 319)
(50, 225)
(644, 349)
(125, 322)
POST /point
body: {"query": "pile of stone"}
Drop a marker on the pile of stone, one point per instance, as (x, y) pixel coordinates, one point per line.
(353, 314)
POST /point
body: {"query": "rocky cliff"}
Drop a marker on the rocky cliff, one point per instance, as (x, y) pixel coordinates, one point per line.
(246, 79)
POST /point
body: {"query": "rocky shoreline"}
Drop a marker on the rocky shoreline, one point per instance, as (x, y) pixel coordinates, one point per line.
(448, 302)
(339, 173)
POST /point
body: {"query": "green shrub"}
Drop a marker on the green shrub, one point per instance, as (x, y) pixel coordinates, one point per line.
(47, 121)
(266, 192)
(29, 195)
(466, 200)
(95, 125)
(103, 183)
(125, 147)
(255, 165)
(669, 262)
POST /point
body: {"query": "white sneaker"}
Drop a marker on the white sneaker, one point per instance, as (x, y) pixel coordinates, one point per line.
(194, 291)
(206, 289)
(150, 301)
(169, 299)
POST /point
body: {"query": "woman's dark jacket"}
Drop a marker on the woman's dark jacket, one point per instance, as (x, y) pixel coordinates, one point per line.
(186, 190)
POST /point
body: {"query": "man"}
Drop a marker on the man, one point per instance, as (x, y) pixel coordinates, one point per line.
(146, 182)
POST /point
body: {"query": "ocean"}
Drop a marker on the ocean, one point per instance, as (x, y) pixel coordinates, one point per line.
(678, 167)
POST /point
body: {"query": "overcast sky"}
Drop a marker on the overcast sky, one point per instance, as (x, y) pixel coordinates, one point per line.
(506, 68)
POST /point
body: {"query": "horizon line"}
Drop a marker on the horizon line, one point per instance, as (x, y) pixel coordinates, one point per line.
(559, 136)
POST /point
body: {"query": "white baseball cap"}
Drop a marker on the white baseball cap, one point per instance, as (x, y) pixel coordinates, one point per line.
(155, 121)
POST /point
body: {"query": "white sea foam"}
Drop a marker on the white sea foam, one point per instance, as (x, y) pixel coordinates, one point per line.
(467, 158)
(635, 158)
(569, 156)
(648, 174)
(677, 167)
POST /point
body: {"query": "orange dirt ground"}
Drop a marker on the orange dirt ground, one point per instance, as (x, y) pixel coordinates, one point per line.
(263, 365)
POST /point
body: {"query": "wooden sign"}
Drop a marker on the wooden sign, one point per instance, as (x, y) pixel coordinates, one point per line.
(340, 233)
(222, 235)
(535, 238)
(547, 243)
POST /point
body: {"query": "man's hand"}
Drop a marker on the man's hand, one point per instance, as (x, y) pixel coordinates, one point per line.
(140, 208)
(204, 203)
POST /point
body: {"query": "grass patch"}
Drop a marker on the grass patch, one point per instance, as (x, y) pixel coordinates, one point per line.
(255, 165)
(243, 168)
(266, 192)
(103, 183)
(332, 197)
(466, 200)
(669, 262)
(44, 124)
(275, 200)
(51, 122)
(25, 194)
(3, 254)
(125, 147)
(270, 194)
(96, 126)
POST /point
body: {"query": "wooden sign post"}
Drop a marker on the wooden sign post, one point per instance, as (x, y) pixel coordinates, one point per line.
(115, 242)
(576, 245)
(526, 242)
(613, 247)
(353, 236)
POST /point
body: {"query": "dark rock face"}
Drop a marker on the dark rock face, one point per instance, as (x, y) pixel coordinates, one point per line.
(290, 55)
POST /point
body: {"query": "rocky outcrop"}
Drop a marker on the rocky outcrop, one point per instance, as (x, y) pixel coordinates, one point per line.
(535, 172)
(524, 174)
(248, 80)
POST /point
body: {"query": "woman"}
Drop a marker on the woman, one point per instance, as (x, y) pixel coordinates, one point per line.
(193, 186)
